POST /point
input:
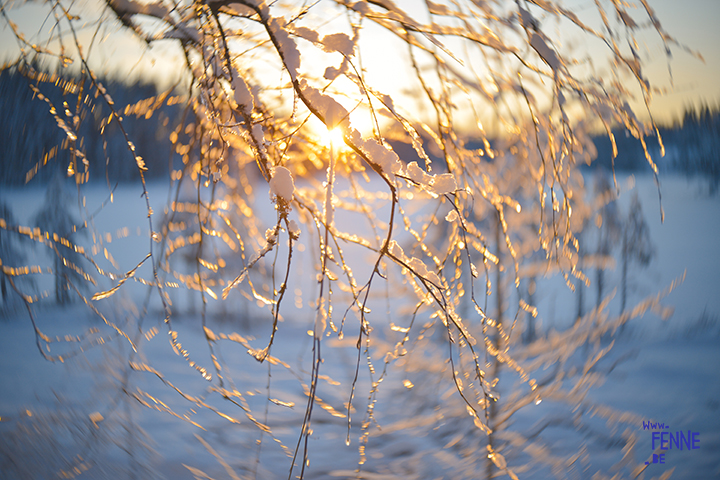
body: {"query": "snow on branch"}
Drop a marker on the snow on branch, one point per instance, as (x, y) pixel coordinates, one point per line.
(430, 155)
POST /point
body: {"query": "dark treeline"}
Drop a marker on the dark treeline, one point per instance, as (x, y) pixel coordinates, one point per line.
(692, 147)
(34, 145)
(44, 128)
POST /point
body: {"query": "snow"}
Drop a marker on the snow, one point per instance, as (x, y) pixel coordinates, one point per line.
(384, 157)
(239, 9)
(338, 42)
(396, 250)
(294, 229)
(526, 18)
(210, 335)
(626, 18)
(130, 7)
(421, 269)
(258, 134)
(286, 45)
(306, 33)
(438, 9)
(669, 375)
(545, 52)
(417, 174)
(243, 97)
(271, 236)
(183, 31)
(417, 265)
(281, 184)
(436, 184)
(331, 73)
(329, 208)
(443, 183)
(329, 109)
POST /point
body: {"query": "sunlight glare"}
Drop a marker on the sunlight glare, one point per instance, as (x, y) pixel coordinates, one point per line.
(333, 138)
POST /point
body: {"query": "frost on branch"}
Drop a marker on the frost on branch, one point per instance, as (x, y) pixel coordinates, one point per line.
(546, 53)
(379, 154)
(281, 184)
(435, 184)
(452, 190)
(329, 110)
(338, 42)
(285, 45)
(243, 96)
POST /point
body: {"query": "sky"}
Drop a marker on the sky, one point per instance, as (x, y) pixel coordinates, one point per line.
(695, 24)
(689, 82)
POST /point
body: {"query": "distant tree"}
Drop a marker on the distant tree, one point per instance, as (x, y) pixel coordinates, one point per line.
(630, 155)
(699, 145)
(54, 216)
(11, 253)
(580, 284)
(609, 227)
(37, 129)
(637, 246)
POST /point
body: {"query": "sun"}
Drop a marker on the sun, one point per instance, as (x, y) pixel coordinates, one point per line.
(333, 137)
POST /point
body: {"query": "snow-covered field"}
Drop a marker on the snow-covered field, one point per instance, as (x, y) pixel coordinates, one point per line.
(72, 419)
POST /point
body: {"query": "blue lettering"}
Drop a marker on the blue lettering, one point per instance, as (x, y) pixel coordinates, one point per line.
(653, 425)
(687, 440)
(695, 439)
(663, 442)
(676, 439)
(668, 439)
(658, 458)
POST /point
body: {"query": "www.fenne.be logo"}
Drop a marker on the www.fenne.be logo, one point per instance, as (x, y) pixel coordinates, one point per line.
(664, 439)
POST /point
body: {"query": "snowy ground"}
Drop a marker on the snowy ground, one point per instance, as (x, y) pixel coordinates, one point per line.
(56, 417)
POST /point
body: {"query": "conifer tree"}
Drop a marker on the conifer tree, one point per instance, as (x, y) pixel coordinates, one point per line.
(609, 228)
(54, 216)
(637, 246)
(12, 253)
